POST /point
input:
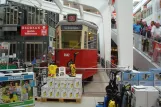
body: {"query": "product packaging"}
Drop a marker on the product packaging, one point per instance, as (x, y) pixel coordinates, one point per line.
(57, 83)
(70, 93)
(70, 83)
(130, 77)
(77, 93)
(146, 78)
(63, 93)
(57, 93)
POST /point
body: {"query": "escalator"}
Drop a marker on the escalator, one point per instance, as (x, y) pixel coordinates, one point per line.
(141, 60)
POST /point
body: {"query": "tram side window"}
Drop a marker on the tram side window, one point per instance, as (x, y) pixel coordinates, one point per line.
(71, 39)
(92, 41)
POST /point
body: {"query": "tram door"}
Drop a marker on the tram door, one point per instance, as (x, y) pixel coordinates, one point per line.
(33, 50)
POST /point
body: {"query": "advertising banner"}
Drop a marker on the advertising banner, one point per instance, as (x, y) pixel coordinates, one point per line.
(16, 91)
(34, 30)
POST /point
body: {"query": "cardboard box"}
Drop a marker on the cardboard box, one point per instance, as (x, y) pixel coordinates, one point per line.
(144, 96)
(130, 78)
(139, 97)
(70, 93)
(153, 95)
(77, 93)
(44, 91)
(63, 83)
(70, 83)
(51, 93)
(63, 93)
(157, 76)
(78, 81)
(50, 82)
(57, 93)
(57, 83)
(146, 78)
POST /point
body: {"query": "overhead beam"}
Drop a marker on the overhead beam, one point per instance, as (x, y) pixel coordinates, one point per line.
(52, 7)
(59, 4)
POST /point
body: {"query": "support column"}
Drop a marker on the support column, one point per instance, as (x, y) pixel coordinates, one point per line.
(124, 11)
(106, 16)
(101, 41)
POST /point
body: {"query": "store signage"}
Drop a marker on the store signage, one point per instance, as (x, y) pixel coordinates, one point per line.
(16, 78)
(72, 17)
(34, 30)
(71, 27)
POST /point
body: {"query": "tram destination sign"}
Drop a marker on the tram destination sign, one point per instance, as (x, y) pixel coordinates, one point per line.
(71, 27)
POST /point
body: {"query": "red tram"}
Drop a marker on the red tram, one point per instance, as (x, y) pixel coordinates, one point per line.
(77, 36)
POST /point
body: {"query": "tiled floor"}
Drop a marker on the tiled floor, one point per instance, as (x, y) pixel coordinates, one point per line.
(86, 102)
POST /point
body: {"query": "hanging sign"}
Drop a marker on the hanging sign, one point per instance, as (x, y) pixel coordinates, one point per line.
(34, 30)
(72, 17)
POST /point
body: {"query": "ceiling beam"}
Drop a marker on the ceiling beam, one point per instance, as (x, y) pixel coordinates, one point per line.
(59, 4)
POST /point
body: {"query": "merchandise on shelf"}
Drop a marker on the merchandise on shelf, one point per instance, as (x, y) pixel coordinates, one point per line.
(157, 76)
(130, 77)
(16, 89)
(146, 79)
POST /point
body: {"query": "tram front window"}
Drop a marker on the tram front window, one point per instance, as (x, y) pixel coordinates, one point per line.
(71, 39)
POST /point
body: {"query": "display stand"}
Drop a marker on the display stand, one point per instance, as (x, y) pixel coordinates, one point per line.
(16, 89)
(63, 88)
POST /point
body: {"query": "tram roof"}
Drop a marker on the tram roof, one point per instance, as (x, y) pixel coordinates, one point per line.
(78, 22)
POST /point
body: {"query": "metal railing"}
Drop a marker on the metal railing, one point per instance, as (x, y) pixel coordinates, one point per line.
(149, 47)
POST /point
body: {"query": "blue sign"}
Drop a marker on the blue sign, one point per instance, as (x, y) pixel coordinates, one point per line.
(14, 78)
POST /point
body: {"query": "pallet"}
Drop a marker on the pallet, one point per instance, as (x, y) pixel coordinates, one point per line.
(37, 98)
(60, 100)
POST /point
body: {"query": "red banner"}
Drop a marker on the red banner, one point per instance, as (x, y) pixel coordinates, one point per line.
(34, 30)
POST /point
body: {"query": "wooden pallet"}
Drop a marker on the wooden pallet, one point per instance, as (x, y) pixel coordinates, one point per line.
(60, 100)
(37, 98)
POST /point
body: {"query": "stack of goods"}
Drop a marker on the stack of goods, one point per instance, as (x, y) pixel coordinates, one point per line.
(63, 87)
(157, 76)
(145, 78)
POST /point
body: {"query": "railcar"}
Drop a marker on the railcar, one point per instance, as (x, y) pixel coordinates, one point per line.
(77, 36)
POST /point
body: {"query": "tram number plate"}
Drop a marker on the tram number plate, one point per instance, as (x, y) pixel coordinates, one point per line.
(66, 54)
